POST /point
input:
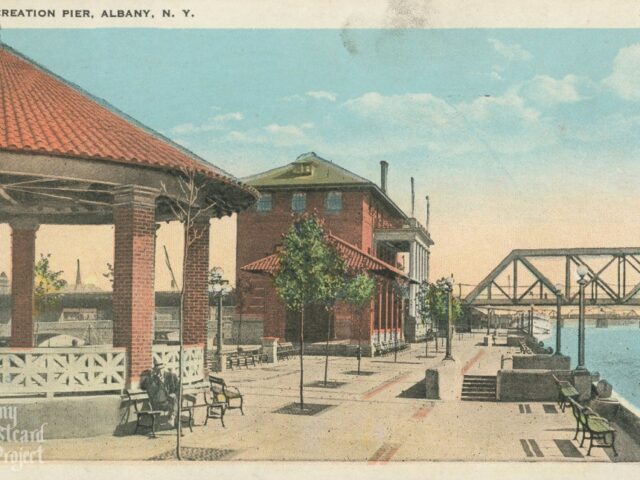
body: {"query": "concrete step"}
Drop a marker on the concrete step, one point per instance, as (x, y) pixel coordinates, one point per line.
(479, 388)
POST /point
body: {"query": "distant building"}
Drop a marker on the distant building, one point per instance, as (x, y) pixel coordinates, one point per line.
(4, 284)
(371, 231)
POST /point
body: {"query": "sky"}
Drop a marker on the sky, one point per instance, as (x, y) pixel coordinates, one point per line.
(521, 138)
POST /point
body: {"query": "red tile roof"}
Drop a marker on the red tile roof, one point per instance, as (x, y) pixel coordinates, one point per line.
(354, 258)
(41, 113)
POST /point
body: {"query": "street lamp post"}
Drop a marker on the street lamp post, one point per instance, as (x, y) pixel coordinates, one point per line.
(449, 288)
(219, 287)
(582, 281)
(558, 319)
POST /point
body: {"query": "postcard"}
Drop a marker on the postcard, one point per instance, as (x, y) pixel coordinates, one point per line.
(378, 239)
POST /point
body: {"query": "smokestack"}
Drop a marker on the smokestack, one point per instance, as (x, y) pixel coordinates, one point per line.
(427, 222)
(78, 276)
(384, 168)
(413, 198)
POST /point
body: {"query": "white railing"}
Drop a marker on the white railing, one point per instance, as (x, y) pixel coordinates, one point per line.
(193, 364)
(57, 370)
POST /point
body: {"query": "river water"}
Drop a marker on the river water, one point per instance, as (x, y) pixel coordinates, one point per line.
(614, 352)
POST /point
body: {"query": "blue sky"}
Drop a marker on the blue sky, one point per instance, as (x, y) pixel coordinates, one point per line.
(522, 138)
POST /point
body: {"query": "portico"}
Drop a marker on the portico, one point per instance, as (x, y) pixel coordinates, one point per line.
(413, 239)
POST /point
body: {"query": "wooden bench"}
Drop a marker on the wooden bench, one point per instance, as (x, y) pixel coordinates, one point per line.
(524, 348)
(196, 396)
(593, 427)
(220, 389)
(239, 359)
(148, 418)
(566, 391)
(142, 408)
(285, 349)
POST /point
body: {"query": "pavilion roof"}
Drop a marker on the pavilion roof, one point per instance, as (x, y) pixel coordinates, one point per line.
(41, 113)
(354, 258)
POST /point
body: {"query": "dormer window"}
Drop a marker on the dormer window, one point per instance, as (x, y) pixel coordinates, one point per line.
(298, 202)
(264, 203)
(302, 169)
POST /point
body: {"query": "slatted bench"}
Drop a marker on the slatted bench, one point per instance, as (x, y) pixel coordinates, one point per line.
(566, 391)
(145, 415)
(221, 390)
(285, 349)
(196, 396)
(593, 427)
(244, 359)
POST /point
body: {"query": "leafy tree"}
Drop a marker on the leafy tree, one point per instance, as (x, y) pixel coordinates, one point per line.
(310, 271)
(47, 285)
(432, 303)
(357, 294)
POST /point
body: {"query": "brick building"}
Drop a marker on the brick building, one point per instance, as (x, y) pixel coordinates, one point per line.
(371, 232)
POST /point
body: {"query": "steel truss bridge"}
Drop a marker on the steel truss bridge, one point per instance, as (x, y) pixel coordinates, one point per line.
(613, 278)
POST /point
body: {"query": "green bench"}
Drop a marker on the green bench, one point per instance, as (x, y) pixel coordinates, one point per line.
(593, 427)
(566, 391)
(230, 394)
(194, 396)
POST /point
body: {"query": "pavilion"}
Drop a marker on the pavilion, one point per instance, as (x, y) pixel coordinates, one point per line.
(67, 157)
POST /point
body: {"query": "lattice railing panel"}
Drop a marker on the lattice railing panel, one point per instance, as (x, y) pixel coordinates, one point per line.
(57, 370)
(168, 355)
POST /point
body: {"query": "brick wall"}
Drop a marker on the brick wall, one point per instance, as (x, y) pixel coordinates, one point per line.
(23, 251)
(260, 232)
(196, 301)
(133, 287)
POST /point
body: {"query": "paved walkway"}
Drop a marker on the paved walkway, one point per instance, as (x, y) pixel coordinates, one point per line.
(376, 417)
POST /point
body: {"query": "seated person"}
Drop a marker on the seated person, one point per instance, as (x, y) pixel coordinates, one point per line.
(162, 390)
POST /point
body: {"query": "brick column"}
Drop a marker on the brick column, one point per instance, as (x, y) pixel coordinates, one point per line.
(196, 294)
(23, 252)
(134, 269)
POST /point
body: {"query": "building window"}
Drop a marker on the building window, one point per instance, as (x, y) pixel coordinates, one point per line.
(299, 202)
(334, 201)
(264, 203)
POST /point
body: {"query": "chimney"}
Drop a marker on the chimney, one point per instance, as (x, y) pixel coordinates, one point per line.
(427, 222)
(413, 198)
(384, 168)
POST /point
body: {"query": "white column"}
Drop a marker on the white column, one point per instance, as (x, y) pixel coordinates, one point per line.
(412, 274)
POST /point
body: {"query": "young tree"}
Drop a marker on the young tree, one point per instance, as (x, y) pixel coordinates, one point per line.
(310, 272)
(47, 284)
(432, 303)
(187, 208)
(357, 294)
(424, 312)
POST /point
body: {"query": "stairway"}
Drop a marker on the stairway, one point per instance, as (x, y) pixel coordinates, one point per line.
(479, 388)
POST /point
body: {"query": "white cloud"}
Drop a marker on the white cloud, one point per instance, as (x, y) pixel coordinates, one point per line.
(407, 109)
(625, 79)
(322, 95)
(495, 72)
(512, 52)
(273, 134)
(288, 130)
(217, 122)
(315, 94)
(503, 124)
(548, 90)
